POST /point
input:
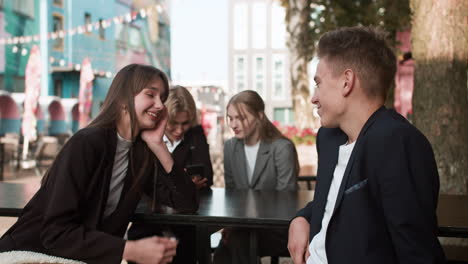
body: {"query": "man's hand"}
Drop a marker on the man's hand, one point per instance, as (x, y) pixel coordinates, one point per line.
(151, 250)
(298, 240)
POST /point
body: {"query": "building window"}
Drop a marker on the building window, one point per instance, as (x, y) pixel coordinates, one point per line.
(58, 3)
(102, 30)
(87, 21)
(134, 38)
(278, 27)
(57, 23)
(58, 87)
(278, 76)
(285, 116)
(259, 74)
(23, 7)
(240, 73)
(240, 26)
(259, 25)
(240, 64)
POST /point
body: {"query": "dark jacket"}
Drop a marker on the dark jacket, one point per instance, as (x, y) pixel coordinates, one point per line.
(65, 217)
(194, 149)
(386, 206)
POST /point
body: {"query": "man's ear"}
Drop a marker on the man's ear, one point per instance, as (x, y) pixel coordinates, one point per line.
(349, 80)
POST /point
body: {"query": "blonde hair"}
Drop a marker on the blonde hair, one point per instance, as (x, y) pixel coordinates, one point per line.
(180, 100)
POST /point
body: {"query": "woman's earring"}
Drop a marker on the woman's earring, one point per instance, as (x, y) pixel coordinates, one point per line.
(124, 109)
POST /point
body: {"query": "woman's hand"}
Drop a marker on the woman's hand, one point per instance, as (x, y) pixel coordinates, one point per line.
(151, 250)
(155, 135)
(154, 140)
(199, 182)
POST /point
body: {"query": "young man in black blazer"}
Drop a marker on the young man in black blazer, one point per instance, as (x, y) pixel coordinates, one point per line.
(377, 182)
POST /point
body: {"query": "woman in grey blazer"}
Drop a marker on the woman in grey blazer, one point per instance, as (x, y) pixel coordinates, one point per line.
(259, 157)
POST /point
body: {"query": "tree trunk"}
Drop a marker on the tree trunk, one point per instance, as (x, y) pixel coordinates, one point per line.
(297, 23)
(300, 94)
(439, 41)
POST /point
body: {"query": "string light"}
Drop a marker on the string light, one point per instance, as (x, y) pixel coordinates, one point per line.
(128, 17)
(77, 67)
(143, 13)
(159, 8)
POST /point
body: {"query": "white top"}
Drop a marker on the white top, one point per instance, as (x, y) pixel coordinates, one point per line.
(318, 255)
(119, 171)
(171, 146)
(251, 156)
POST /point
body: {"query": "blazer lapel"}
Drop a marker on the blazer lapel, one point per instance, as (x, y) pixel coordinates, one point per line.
(240, 169)
(261, 160)
(356, 149)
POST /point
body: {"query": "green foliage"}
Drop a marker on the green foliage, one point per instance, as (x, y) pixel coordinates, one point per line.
(326, 15)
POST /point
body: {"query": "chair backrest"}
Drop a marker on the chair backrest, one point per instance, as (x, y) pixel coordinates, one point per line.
(307, 175)
(47, 148)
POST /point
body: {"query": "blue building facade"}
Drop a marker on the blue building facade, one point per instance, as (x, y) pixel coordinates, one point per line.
(111, 33)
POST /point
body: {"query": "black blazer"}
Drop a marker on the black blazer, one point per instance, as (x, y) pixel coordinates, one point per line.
(386, 206)
(194, 149)
(65, 217)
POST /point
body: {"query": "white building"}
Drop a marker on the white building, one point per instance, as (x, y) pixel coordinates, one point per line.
(258, 56)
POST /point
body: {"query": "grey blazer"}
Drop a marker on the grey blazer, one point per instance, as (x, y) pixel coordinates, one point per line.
(275, 167)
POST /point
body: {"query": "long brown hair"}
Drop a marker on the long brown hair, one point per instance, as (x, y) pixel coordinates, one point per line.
(127, 83)
(254, 104)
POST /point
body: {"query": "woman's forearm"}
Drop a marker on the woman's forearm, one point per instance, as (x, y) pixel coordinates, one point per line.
(163, 155)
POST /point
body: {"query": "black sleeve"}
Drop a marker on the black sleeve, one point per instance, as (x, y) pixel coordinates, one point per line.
(306, 212)
(200, 152)
(407, 182)
(175, 189)
(63, 232)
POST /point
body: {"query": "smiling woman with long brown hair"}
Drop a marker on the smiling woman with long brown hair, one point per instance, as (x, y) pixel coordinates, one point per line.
(84, 205)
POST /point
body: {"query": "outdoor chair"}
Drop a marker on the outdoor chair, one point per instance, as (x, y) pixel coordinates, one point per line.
(10, 142)
(306, 174)
(46, 150)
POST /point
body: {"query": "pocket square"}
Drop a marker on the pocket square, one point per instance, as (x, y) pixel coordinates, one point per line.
(356, 186)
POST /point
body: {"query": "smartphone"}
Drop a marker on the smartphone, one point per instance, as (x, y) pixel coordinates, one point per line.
(196, 170)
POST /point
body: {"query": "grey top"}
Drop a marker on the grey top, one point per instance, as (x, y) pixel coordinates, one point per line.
(275, 167)
(119, 171)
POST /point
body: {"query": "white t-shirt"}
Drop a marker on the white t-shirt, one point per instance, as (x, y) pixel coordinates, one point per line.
(251, 156)
(119, 171)
(318, 255)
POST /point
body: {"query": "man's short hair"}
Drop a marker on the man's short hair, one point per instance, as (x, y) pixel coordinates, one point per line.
(364, 50)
